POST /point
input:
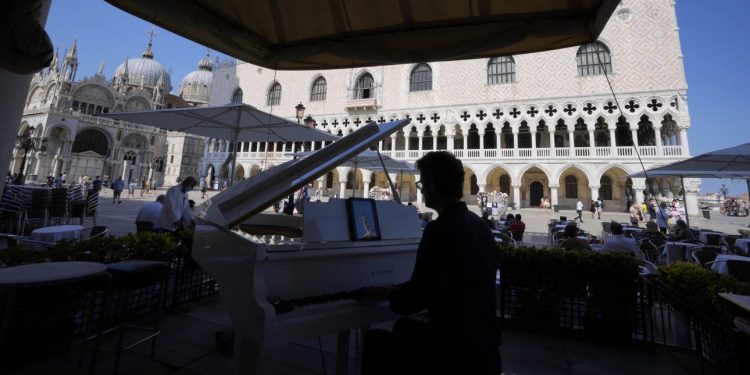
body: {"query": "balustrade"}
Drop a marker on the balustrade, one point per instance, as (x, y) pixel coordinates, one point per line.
(647, 150)
(543, 152)
(625, 151)
(525, 153)
(582, 151)
(490, 153)
(672, 150)
(473, 153)
(507, 152)
(562, 152)
(602, 151)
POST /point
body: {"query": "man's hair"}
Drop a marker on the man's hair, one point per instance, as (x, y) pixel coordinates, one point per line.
(571, 230)
(651, 226)
(518, 217)
(160, 198)
(445, 170)
(189, 181)
(615, 227)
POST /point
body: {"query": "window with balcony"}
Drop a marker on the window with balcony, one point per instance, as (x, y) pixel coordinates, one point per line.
(365, 87)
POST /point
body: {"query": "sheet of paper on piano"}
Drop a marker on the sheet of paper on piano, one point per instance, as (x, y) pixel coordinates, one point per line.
(285, 278)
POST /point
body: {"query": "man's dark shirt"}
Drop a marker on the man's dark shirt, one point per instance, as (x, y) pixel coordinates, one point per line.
(454, 279)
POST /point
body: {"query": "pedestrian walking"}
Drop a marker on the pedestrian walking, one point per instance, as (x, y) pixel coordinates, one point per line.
(579, 210)
(131, 189)
(117, 187)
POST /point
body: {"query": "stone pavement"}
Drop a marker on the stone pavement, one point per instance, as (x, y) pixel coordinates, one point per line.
(120, 218)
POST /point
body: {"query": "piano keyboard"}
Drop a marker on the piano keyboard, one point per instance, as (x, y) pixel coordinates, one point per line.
(314, 305)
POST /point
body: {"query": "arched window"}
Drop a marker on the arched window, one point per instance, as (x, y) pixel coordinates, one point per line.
(365, 87)
(501, 70)
(274, 94)
(421, 78)
(237, 96)
(571, 186)
(593, 59)
(91, 140)
(605, 188)
(318, 91)
(130, 156)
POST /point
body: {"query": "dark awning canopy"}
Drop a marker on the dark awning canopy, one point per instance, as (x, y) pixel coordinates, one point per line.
(327, 34)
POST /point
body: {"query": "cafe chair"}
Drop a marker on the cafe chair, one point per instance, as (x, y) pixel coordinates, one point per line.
(137, 287)
(704, 256)
(728, 241)
(739, 269)
(96, 232)
(675, 253)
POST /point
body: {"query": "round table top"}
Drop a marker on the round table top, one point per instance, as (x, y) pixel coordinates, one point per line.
(58, 229)
(40, 274)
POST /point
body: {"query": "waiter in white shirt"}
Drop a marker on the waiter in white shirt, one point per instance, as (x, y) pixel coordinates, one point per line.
(175, 204)
(150, 212)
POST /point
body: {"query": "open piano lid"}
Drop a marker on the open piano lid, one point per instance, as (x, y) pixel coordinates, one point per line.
(253, 195)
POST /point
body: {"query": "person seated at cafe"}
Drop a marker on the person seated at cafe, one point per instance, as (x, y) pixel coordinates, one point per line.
(651, 240)
(571, 241)
(485, 217)
(149, 213)
(517, 228)
(618, 243)
(509, 220)
(682, 233)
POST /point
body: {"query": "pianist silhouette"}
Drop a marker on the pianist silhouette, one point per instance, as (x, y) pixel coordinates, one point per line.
(453, 279)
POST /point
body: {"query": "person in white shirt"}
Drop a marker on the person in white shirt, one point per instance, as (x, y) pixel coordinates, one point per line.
(188, 218)
(618, 243)
(150, 212)
(175, 204)
(579, 209)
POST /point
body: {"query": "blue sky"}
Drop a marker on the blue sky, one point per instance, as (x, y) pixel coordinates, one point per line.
(715, 36)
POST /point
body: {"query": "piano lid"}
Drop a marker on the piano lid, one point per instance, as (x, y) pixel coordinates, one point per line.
(253, 195)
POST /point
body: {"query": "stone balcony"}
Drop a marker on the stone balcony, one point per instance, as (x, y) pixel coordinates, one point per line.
(361, 104)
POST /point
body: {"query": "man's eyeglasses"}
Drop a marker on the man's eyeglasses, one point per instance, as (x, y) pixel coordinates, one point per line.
(419, 185)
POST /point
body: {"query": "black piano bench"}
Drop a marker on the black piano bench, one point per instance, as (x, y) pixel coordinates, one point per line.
(138, 288)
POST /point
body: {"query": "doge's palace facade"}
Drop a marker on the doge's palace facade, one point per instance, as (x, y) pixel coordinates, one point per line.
(534, 125)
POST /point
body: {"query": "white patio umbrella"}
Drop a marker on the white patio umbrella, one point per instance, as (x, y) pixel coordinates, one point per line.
(233, 122)
(372, 160)
(733, 162)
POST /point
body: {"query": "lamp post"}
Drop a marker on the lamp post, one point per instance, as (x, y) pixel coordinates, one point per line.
(300, 111)
(26, 143)
(309, 122)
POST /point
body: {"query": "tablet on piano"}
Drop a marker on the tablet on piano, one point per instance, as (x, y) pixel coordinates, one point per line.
(363, 219)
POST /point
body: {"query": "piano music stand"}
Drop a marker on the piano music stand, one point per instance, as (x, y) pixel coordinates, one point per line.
(363, 219)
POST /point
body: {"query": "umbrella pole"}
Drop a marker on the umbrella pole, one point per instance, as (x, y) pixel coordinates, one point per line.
(235, 137)
(396, 196)
(684, 200)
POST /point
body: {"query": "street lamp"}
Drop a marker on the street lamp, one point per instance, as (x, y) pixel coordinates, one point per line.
(309, 121)
(26, 143)
(300, 111)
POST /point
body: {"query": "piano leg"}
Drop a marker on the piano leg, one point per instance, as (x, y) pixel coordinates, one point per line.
(342, 353)
(246, 354)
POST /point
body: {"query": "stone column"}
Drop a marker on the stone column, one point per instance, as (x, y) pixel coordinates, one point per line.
(434, 141)
(553, 193)
(533, 142)
(639, 185)
(393, 142)
(482, 187)
(592, 143)
(124, 169)
(515, 142)
(342, 188)
(551, 133)
(684, 142)
(366, 188)
(466, 140)
(517, 194)
(612, 142)
(594, 192)
(692, 189)
(659, 146)
(498, 142)
(449, 140)
(420, 137)
(406, 142)
(634, 135)
(571, 143)
(481, 142)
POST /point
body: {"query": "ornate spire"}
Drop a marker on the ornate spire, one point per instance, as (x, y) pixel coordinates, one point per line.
(53, 64)
(149, 53)
(72, 55)
(160, 82)
(100, 72)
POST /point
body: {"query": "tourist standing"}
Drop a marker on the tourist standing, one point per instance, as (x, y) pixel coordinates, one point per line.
(593, 209)
(143, 186)
(579, 210)
(117, 187)
(662, 217)
(634, 211)
(599, 207)
(131, 189)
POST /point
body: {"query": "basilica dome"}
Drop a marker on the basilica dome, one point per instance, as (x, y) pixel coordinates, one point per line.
(144, 70)
(196, 86)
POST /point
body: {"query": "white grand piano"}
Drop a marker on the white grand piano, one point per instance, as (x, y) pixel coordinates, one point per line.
(285, 278)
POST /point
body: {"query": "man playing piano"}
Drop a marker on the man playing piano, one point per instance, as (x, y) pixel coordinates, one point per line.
(453, 279)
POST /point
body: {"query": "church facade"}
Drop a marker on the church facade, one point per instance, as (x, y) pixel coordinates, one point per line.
(534, 125)
(61, 117)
